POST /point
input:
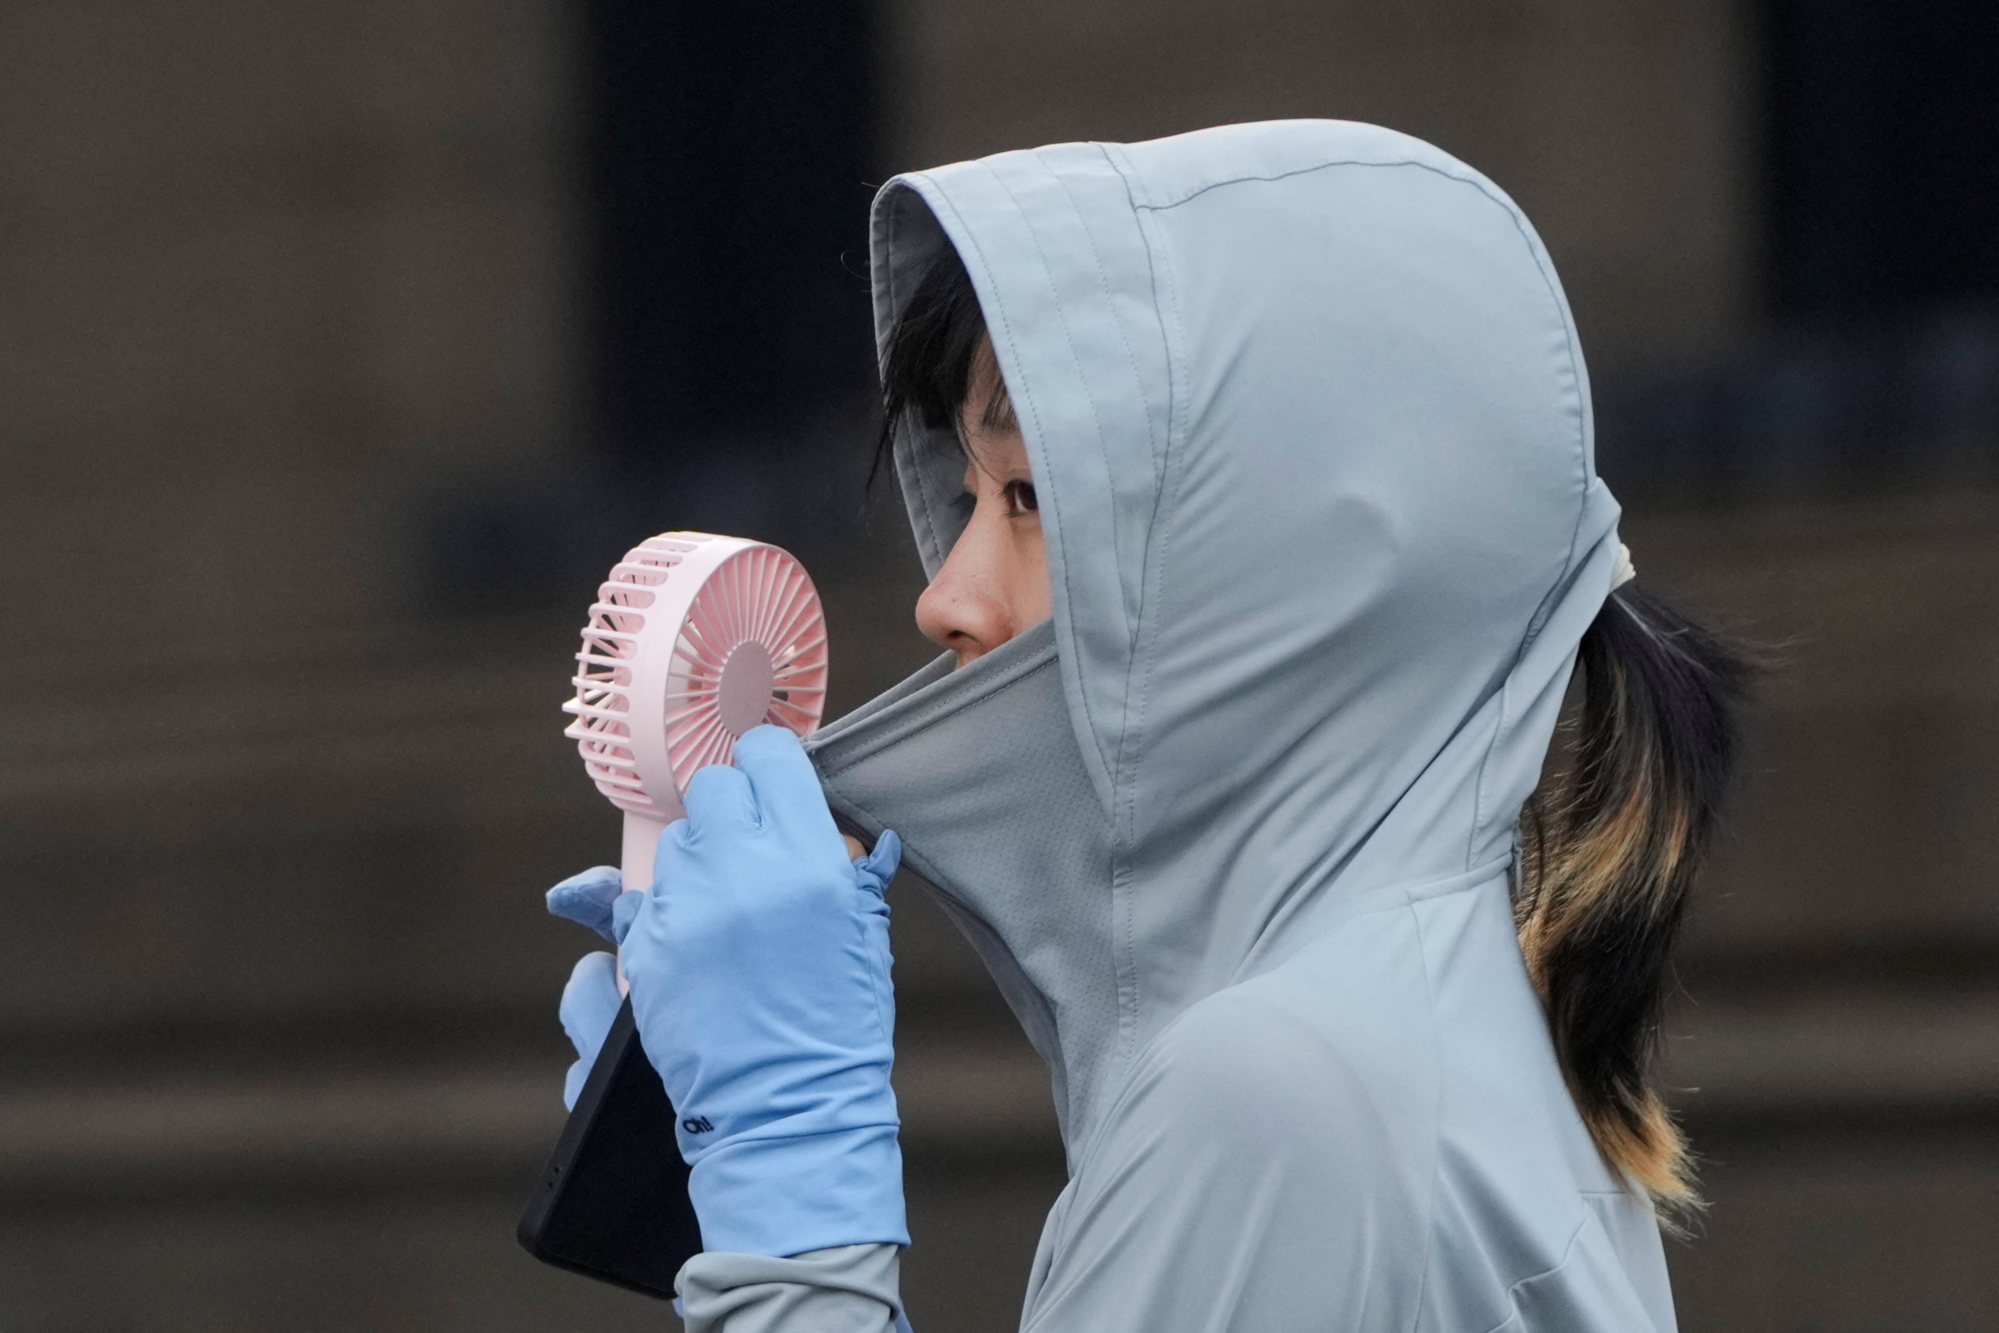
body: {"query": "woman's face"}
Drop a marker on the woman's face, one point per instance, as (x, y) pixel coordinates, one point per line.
(994, 584)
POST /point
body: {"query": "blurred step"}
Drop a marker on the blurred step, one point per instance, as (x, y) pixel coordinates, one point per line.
(251, 1132)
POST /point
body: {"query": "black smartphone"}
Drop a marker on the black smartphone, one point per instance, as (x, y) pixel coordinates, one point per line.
(612, 1203)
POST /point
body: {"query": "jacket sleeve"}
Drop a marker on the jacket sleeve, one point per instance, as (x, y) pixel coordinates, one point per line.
(1247, 1177)
(847, 1289)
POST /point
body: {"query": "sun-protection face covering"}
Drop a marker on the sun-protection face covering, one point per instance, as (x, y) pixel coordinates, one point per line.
(978, 767)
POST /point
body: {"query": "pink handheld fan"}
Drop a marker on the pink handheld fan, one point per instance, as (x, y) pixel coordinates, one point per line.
(693, 640)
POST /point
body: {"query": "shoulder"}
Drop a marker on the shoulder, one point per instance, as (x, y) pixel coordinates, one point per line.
(1252, 1167)
(1265, 1069)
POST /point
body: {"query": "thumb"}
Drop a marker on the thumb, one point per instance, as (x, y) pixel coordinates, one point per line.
(586, 898)
(878, 867)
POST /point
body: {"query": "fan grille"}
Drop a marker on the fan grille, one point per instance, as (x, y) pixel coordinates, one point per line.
(750, 648)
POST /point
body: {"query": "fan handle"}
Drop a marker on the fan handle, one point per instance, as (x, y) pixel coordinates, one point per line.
(641, 845)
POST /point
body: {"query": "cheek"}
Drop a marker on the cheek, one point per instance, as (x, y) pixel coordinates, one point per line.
(1028, 584)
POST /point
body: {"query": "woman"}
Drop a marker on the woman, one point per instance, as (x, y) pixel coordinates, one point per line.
(1252, 469)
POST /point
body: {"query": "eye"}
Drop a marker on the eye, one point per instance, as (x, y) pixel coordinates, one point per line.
(1020, 499)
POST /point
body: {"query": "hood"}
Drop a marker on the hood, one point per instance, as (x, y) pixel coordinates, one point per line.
(1311, 435)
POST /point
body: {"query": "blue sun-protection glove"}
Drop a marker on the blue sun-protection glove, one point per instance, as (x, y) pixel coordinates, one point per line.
(590, 1000)
(759, 970)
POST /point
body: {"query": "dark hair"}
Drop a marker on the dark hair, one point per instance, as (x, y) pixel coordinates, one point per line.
(937, 352)
(1611, 845)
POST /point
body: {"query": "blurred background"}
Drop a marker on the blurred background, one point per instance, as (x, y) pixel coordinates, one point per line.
(343, 345)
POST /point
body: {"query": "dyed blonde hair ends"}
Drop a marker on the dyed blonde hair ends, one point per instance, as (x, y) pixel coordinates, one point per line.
(1612, 844)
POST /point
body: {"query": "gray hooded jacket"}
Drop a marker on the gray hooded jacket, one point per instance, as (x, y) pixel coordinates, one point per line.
(1234, 830)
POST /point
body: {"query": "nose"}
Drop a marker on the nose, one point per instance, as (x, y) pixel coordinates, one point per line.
(965, 610)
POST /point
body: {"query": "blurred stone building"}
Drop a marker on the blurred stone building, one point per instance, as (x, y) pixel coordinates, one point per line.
(344, 344)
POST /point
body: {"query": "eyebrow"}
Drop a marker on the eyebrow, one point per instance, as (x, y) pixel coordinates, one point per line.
(999, 414)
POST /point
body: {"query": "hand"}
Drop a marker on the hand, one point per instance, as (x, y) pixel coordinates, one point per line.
(759, 968)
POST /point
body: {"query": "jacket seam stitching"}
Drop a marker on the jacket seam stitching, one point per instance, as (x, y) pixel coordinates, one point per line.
(1568, 1253)
(1537, 621)
(1121, 778)
(1245, 177)
(1159, 538)
(1103, 454)
(904, 446)
(1436, 1151)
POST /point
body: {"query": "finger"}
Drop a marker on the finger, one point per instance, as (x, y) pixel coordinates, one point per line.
(718, 797)
(572, 1083)
(786, 787)
(671, 839)
(590, 1003)
(623, 912)
(586, 898)
(878, 867)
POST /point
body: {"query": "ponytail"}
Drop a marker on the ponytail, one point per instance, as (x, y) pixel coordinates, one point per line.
(1610, 848)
